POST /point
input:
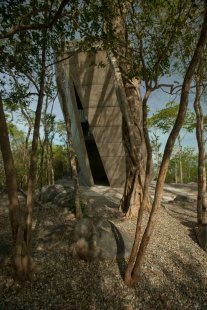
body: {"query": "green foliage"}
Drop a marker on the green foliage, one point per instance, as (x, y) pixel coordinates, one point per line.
(20, 154)
(189, 163)
(21, 68)
(164, 119)
(159, 39)
(60, 161)
(156, 145)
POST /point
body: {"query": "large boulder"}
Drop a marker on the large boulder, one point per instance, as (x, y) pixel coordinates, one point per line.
(201, 234)
(98, 238)
(183, 199)
(59, 195)
(50, 192)
(64, 199)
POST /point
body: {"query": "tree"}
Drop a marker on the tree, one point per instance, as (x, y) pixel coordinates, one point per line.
(10, 10)
(71, 154)
(23, 263)
(156, 149)
(141, 40)
(22, 235)
(31, 61)
(189, 163)
(164, 120)
(133, 268)
(48, 121)
(201, 196)
(20, 153)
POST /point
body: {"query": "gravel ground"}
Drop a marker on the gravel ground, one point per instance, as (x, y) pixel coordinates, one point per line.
(174, 273)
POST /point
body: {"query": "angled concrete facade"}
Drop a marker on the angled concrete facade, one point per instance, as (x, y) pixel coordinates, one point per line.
(88, 85)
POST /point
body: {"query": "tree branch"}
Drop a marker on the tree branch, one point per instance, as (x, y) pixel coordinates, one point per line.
(22, 27)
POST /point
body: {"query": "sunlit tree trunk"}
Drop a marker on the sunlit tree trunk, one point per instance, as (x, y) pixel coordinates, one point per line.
(130, 101)
(33, 158)
(71, 154)
(26, 150)
(176, 172)
(201, 197)
(22, 260)
(133, 268)
(41, 167)
(180, 153)
(135, 152)
(52, 180)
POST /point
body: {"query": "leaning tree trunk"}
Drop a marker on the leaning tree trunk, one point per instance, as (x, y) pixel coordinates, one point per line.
(144, 201)
(22, 261)
(132, 273)
(71, 154)
(135, 152)
(201, 197)
(130, 102)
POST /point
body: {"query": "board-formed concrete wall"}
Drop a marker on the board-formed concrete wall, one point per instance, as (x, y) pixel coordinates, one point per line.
(87, 80)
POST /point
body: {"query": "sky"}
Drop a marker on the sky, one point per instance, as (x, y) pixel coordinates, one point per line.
(157, 101)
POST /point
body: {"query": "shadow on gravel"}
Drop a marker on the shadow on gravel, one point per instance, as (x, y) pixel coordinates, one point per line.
(183, 286)
(186, 215)
(5, 250)
(121, 262)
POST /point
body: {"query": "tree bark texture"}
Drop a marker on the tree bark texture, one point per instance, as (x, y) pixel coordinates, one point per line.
(145, 198)
(130, 102)
(180, 151)
(201, 197)
(33, 158)
(132, 274)
(71, 154)
(51, 169)
(135, 152)
(22, 260)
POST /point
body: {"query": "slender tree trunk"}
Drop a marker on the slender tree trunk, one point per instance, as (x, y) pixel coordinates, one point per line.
(132, 274)
(176, 172)
(180, 159)
(157, 159)
(52, 181)
(144, 201)
(29, 121)
(22, 261)
(130, 102)
(48, 163)
(134, 150)
(43, 153)
(201, 197)
(68, 162)
(33, 159)
(26, 151)
(71, 154)
(41, 167)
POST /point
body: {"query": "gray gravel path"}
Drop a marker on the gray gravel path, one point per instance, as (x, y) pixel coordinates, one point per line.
(174, 273)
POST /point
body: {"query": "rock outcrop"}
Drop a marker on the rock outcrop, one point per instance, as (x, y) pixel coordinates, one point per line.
(201, 234)
(98, 238)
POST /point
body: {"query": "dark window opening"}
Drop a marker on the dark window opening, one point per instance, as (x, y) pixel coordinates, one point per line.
(96, 165)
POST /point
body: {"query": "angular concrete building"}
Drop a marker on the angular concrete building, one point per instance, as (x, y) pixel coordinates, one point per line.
(87, 83)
